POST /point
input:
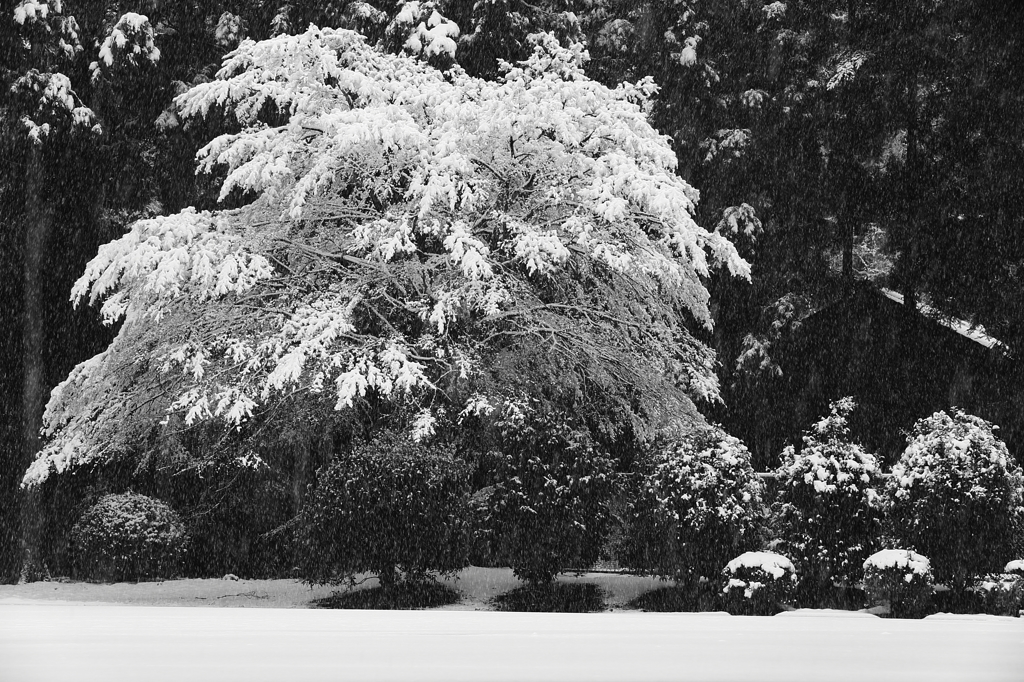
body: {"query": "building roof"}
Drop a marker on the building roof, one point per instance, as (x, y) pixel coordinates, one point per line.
(964, 328)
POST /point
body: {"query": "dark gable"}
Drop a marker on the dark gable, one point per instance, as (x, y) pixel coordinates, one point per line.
(899, 365)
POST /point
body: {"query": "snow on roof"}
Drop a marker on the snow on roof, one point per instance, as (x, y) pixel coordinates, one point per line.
(962, 327)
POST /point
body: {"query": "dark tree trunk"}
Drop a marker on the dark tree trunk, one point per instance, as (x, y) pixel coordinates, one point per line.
(388, 578)
(848, 252)
(38, 229)
(912, 187)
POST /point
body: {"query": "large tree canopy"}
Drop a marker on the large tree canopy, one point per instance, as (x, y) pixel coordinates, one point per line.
(407, 231)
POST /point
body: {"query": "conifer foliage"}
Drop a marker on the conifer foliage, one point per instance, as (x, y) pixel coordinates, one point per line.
(828, 513)
(399, 224)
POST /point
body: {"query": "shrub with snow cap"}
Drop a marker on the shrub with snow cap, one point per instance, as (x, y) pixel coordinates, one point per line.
(900, 578)
(128, 537)
(697, 504)
(758, 583)
(1002, 594)
(1016, 567)
(957, 496)
(827, 512)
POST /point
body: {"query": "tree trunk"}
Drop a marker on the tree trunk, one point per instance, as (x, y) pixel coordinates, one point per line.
(387, 578)
(848, 252)
(38, 228)
(912, 187)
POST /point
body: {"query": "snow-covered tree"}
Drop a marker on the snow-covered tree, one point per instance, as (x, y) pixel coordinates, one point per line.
(957, 496)
(828, 513)
(695, 505)
(406, 227)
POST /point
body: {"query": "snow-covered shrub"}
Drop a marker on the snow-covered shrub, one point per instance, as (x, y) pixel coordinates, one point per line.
(957, 496)
(386, 506)
(900, 578)
(827, 514)
(758, 583)
(549, 510)
(1016, 567)
(128, 537)
(695, 505)
(1002, 594)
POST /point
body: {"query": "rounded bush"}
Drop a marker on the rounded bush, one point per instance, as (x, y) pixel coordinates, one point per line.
(1016, 567)
(1002, 594)
(549, 510)
(758, 584)
(901, 579)
(387, 506)
(128, 537)
(827, 513)
(956, 496)
(693, 506)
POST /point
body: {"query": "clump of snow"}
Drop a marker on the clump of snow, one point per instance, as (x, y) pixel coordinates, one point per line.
(33, 10)
(132, 39)
(774, 10)
(1015, 566)
(230, 30)
(430, 33)
(688, 55)
(773, 564)
(56, 105)
(899, 559)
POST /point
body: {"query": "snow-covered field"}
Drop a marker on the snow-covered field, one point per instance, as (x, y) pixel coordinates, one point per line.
(59, 641)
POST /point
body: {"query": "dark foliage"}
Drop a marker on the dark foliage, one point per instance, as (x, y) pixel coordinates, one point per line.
(549, 510)
(128, 537)
(388, 505)
(695, 505)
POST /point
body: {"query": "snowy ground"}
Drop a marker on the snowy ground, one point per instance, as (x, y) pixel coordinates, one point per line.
(113, 643)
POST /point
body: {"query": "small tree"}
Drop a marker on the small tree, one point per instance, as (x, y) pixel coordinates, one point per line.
(128, 537)
(550, 508)
(827, 512)
(697, 504)
(957, 497)
(387, 506)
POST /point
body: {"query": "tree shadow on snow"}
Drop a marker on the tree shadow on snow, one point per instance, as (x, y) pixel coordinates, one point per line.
(669, 599)
(556, 598)
(403, 596)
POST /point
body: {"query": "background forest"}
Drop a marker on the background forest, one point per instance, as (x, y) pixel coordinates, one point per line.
(838, 144)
